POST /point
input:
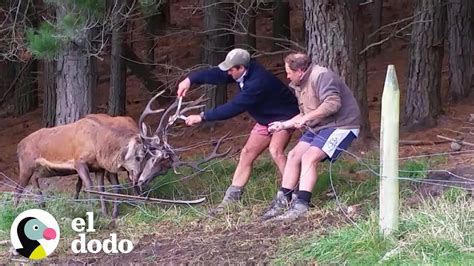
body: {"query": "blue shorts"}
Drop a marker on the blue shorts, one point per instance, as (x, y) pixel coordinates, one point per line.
(331, 141)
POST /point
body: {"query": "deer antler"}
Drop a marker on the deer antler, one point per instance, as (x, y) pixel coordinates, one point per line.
(196, 104)
(161, 131)
(192, 105)
(195, 164)
(146, 112)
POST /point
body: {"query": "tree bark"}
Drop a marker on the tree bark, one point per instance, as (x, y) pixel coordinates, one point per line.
(423, 99)
(216, 44)
(281, 23)
(49, 94)
(460, 53)
(75, 79)
(118, 76)
(376, 10)
(335, 38)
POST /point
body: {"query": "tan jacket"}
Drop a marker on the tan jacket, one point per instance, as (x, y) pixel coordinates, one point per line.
(322, 89)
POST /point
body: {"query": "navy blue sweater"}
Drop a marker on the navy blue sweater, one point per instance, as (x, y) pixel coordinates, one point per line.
(263, 95)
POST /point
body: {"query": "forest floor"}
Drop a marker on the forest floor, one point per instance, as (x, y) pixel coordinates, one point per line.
(240, 237)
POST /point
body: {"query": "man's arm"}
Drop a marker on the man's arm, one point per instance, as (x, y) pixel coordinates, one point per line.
(213, 76)
(329, 94)
(205, 76)
(280, 125)
(245, 99)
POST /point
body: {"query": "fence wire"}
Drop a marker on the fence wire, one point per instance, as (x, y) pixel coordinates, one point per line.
(370, 164)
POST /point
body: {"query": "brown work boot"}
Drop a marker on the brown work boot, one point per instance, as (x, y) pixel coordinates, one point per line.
(277, 207)
(298, 208)
(232, 196)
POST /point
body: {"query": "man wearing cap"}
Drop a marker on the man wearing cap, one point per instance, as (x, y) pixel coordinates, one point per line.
(263, 96)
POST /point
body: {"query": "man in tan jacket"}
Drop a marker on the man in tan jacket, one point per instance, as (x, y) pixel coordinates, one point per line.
(330, 115)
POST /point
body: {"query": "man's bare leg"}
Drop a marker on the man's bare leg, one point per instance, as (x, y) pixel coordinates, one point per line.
(309, 162)
(290, 181)
(254, 146)
(292, 169)
(277, 146)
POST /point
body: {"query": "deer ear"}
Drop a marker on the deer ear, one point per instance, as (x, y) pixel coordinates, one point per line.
(129, 150)
(124, 152)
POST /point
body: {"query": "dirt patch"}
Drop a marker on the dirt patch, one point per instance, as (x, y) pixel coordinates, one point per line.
(212, 241)
(438, 181)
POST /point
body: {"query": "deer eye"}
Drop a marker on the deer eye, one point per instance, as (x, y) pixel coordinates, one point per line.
(138, 158)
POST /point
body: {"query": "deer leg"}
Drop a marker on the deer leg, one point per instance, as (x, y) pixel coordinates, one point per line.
(40, 197)
(136, 188)
(78, 187)
(113, 179)
(83, 172)
(25, 176)
(100, 177)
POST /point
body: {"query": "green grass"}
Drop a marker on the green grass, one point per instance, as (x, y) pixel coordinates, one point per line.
(439, 231)
(436, 232)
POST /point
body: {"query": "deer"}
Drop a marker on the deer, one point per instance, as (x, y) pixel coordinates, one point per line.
(87, 145)
(118, 123)
(102, 144)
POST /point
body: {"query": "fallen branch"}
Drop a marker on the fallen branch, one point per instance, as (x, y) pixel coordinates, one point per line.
(4, 242)
(421, 142)
(455, 140)
(122, 196)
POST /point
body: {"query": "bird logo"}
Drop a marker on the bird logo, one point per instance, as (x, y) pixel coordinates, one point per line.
(35, 234)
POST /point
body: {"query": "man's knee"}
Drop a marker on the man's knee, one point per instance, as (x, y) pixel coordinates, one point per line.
(311, 157)
(276, 151)
(294, 156)
(248, 154)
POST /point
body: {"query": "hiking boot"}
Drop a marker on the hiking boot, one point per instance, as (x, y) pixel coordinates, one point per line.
(298, 208)
(232, 196)
(278, 206)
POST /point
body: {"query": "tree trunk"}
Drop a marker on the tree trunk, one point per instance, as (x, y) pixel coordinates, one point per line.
(75, 79)
(460, 53)
(49, 94)
(156, 24)
(423, 100)
(304, 36)
(281, 23)
(26, 87)
(376, 13)
(216, 45)
(118, 75)
(335, 38)
(249, 10)
(139, 70)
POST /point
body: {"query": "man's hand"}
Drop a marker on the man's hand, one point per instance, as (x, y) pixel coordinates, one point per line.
(193, 120)
(300, 121)
(183, 87)
(278, 126)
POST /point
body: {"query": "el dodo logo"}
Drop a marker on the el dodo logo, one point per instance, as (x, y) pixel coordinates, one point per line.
(35, 234)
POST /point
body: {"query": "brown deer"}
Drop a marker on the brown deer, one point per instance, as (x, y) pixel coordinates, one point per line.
(101, 143)
(87, 145)
(118, 123)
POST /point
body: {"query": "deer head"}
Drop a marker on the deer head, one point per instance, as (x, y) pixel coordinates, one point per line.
(160, 155)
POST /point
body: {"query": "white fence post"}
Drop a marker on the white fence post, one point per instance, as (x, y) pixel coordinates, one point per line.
(389, 126)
